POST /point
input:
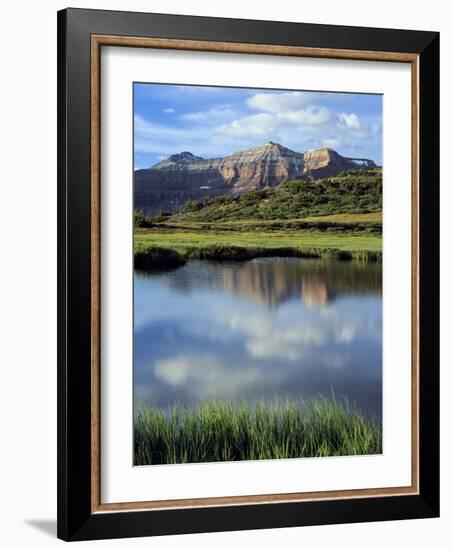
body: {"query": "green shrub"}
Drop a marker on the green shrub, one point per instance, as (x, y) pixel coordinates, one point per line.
(355, 191)
(141, 220)
(156, 258)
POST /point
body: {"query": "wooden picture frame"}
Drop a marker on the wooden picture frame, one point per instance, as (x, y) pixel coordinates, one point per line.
(81, 35)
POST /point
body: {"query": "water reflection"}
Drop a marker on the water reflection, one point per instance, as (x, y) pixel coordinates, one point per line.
(270, 281)
(258, 330)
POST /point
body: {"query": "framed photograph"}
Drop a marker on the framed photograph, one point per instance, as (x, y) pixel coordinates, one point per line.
(248, 274)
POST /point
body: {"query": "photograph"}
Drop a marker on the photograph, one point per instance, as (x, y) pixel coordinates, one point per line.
(257, 289)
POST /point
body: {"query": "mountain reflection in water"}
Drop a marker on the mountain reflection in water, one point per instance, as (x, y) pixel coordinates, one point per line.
(271, 281)
(264, 329)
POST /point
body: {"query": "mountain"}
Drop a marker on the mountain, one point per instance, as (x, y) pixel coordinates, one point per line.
(171, 183)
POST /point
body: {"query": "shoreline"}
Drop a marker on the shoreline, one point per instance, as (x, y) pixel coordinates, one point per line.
(161, 258)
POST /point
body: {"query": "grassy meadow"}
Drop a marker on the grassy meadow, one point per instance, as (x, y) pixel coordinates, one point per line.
(216, 432)
(172, 244)
(333, 218)
(185, 238)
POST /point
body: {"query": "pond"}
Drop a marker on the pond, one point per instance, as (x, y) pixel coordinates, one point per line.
(266, 329)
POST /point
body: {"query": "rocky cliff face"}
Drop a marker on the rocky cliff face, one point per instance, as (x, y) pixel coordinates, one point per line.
(169, 184)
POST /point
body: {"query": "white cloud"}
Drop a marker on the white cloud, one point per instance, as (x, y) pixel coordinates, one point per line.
(349, 120)
(351, 125)
(290, 107)
(169, 110)
(311, 116)
(262, 124)
(278, 102)
(223, 111)
(271, 124)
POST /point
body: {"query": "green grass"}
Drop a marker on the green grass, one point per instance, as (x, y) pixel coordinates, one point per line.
(369, 217)
(216, 244)
(341, 224)
(182, 238)
(215, 432)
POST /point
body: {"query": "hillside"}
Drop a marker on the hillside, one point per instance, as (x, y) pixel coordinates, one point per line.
(171, 183)
(353, 192)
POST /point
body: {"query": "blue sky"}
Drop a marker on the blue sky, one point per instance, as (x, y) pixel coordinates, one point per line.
(215, 121)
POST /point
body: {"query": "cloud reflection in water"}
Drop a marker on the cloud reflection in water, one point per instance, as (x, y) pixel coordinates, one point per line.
(265, 328)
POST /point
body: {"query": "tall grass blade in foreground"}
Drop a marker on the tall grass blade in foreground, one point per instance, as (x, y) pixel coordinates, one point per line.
(223, 432)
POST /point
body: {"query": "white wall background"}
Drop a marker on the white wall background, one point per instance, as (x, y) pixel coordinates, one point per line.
(28, 274)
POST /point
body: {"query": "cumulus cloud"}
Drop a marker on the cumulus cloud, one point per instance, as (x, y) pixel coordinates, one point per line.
(281, 114)
(278, 102)
(262, 124)
(169, 110)
(223, 111)
(352, 126)
(310, 116)
(350, 120)
(290, 108)
(270, 124)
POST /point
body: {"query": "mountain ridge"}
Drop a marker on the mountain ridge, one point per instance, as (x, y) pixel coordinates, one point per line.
(179, 178)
